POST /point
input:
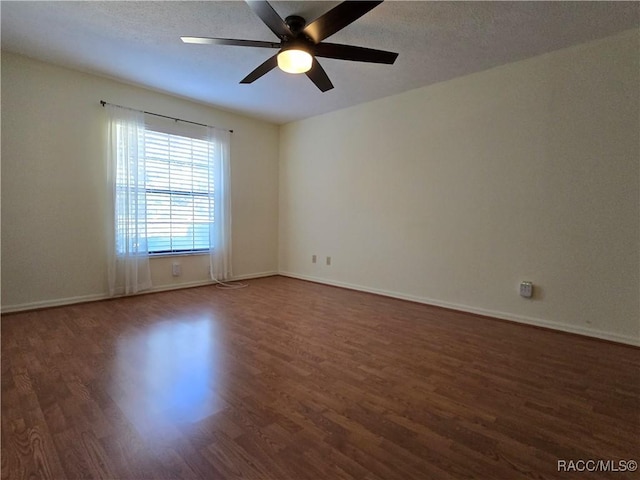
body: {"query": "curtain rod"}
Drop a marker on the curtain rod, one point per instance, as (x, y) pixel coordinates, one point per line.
(103, 103)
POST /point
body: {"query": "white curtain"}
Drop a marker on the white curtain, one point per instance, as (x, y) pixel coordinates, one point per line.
(128, 257)
(219, 205)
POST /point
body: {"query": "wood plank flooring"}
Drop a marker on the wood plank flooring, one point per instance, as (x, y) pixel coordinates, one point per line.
(293, 380)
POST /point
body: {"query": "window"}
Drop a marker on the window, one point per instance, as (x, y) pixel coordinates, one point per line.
(175, 191)
(179, 192)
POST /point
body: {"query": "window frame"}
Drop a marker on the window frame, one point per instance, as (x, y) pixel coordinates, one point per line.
(174, 129)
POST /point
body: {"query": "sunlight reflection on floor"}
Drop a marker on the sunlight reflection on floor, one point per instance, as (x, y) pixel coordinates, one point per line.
(169, 373)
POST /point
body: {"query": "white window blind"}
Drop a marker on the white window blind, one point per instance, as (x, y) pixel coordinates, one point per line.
(179, 193)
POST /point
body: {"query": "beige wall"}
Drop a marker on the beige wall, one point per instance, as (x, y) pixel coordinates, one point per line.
(54, 187)
(452, 194)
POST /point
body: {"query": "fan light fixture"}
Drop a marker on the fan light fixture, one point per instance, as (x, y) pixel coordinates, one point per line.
(295, 60)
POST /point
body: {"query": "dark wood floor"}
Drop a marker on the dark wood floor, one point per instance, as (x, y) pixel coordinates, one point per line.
(293, 380)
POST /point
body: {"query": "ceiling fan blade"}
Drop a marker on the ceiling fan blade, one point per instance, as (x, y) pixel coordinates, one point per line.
(319, 77)
(229, 41)
(337, 18)
(355, 54)
(270, 18)
(265, 67)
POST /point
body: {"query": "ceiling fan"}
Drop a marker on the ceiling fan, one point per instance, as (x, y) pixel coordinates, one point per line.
(300, 42)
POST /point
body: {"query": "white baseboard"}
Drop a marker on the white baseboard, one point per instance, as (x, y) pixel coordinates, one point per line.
(59, 302)
(253, 275)
(614, 337)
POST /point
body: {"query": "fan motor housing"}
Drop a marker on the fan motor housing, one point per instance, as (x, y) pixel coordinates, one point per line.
(295, 23)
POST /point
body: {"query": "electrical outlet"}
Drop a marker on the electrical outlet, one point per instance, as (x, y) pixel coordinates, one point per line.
(314, 259)
(526, 289)
(328, 260)
(176, 269)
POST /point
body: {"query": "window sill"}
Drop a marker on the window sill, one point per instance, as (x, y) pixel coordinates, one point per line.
(177, 254)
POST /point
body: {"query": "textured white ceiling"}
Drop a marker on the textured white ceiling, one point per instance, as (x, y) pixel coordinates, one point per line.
(138, 42)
